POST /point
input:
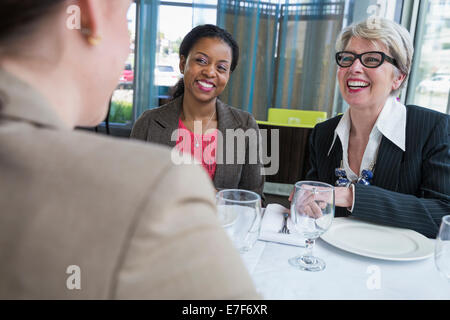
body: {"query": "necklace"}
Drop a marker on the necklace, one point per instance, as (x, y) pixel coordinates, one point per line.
(365, 178)
(197, 144)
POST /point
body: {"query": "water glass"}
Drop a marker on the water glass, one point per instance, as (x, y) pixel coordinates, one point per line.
(442, 249)
(240, 215)
(312, 212)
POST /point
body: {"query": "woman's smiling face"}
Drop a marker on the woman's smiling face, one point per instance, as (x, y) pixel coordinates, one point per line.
(206, 69)
(363, 87)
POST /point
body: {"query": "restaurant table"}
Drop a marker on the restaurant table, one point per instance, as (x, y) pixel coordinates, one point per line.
(346, 276)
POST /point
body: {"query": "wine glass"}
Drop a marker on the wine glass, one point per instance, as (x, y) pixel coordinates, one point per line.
(240, 215)
(312, 212)
(442, 249)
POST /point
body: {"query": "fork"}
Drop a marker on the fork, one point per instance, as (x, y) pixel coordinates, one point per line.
(285, 229)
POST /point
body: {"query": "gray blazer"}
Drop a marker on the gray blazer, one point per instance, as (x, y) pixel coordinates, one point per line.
(157, 125)
(136, 225)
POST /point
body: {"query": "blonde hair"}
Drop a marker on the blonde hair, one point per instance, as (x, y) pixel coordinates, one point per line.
(395, 37)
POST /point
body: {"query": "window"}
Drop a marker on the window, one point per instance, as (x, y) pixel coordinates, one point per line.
(429, 84)
(287, 52)
(170, 35)
(187, 14)
(121, 109)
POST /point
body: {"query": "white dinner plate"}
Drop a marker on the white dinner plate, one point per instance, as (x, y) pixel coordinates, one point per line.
(376, 241)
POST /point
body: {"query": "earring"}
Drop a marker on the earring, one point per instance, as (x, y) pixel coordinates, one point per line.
(92, 40)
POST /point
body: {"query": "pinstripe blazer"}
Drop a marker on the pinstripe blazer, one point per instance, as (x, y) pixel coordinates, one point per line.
(410, 189)
(157, 125)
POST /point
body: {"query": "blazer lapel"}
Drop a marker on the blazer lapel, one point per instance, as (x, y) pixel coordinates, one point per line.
(335, 157)
(387, 167)
(167, 123)
(225, 120)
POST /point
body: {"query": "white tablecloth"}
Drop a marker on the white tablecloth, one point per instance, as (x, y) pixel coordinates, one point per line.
(346, 276)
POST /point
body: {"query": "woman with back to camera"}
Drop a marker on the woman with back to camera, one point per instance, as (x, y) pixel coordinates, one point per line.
(208, 56)
(390, 162)
(67, 211)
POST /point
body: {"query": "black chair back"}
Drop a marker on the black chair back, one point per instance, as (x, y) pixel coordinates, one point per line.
(293, 153)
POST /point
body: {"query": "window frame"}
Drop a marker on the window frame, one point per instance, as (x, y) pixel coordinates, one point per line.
(417, 16)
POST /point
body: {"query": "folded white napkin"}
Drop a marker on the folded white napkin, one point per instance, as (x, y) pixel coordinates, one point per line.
(273, 221)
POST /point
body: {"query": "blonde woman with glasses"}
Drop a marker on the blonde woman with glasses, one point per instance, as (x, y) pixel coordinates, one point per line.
(390, 162)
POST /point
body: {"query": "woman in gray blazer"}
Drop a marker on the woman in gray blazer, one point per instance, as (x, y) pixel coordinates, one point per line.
(199, 120)
(72, 226)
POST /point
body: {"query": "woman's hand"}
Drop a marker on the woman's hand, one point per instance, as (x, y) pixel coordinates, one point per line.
(310, 202)
(343, 197)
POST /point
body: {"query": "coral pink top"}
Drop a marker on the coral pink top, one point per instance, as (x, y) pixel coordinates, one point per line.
(201, 146)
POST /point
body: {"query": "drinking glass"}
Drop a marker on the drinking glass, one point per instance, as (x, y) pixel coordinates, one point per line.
(312, 212)
(442, 249)
(240, 214)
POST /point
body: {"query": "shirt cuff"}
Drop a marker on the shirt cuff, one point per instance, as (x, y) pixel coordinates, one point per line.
(350, 209)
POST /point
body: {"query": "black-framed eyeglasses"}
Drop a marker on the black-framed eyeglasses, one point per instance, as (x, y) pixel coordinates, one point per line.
(371, 59)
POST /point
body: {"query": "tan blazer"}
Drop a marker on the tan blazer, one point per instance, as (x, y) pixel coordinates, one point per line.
(132, 222)
(157, 125)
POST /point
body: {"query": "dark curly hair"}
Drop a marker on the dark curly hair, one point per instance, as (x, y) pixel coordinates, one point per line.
(205, 31)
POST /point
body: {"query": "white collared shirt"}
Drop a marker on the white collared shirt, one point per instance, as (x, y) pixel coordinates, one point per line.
(391, 123)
